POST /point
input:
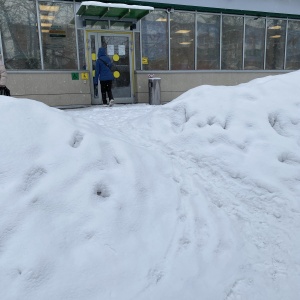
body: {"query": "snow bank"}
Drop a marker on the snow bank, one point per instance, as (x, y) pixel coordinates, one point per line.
(198, 198)
(72, 207)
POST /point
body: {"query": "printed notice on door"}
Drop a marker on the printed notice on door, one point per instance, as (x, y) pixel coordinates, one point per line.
(121, 49)
(110, 50)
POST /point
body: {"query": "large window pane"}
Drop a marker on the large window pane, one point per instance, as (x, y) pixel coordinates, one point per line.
(208, 41)
(81, 49)
(155, 41)
(58, 35)
(182, 41)
(1, 51)
(232, 43)
(275, 44)
(293, 46)
(18, 23)
(254, 43)
(137, 51)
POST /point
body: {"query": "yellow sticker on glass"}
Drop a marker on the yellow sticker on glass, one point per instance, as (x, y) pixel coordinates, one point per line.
(117, 74)
(116, 57)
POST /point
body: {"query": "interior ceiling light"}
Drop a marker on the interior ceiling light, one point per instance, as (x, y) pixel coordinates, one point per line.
(185, 43)
(275, 36)
(45, 30)
(275, 27)
(161, 20)
(49, 8)
(46, 24)
(183, 31)
(49, 18)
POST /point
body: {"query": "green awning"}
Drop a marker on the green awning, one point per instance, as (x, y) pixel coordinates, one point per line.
(109, 11)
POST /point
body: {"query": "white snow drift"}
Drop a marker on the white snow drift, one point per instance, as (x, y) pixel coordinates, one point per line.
(196, 199)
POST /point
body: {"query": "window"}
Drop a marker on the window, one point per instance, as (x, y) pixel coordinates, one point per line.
(1, 51)
(254, 43)
(293, 46)
(137, 51)
(58, 35)
(155, 45)
(208, 41)
(18, 23)
(232, 43)
(275, 44)
(81, 49)
(182, 41)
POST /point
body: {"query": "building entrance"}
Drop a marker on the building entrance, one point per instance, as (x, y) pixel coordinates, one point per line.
(118, 47)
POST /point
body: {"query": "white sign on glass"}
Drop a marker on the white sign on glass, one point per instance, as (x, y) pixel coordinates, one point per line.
(110, 50)
(121, 49)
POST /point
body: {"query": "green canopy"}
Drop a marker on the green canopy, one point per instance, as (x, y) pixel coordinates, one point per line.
(109, 11)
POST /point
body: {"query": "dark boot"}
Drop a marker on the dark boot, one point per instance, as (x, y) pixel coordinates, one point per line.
(104, 101)
(110, 95)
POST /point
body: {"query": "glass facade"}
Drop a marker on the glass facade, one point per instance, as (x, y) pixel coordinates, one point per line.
(137, 51)
(58, 35)
(81, 49)
(232, 42)
(293, 46)
(208, 42)
(254, 43)
(1, 57)
(276, 31)
(20, 38)
(182, 40)
(47, 35)
(155, 41)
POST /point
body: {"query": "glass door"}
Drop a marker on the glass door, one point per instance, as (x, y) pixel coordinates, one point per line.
(118, 48)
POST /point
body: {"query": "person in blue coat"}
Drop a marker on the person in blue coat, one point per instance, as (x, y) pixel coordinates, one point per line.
(104, 74)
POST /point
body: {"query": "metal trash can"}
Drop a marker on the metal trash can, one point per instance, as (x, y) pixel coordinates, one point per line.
(154, 91)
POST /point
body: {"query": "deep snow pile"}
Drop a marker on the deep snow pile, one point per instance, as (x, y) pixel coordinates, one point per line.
(197, 199)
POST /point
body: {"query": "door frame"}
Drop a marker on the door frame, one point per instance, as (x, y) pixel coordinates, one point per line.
(89, 61)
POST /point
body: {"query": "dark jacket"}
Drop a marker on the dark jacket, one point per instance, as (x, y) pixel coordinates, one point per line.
(103, 65)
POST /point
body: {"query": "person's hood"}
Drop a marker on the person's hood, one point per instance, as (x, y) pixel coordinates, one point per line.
(101, 52)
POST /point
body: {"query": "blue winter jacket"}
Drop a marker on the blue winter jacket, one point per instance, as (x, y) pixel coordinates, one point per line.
(103, 71)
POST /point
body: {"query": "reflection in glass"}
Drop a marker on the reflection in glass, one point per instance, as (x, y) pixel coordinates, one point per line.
(182, 41)
(232, 43)
(58, 36)
(293, 46)
(1, 57)
(18, 23)
(120, 25)
(81, 49)
(208, 41)
(276, 29)
(137, 51)
(94, 24)
(155, 41)
(254, 43)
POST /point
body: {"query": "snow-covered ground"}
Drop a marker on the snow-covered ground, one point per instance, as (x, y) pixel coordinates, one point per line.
(196, 199)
